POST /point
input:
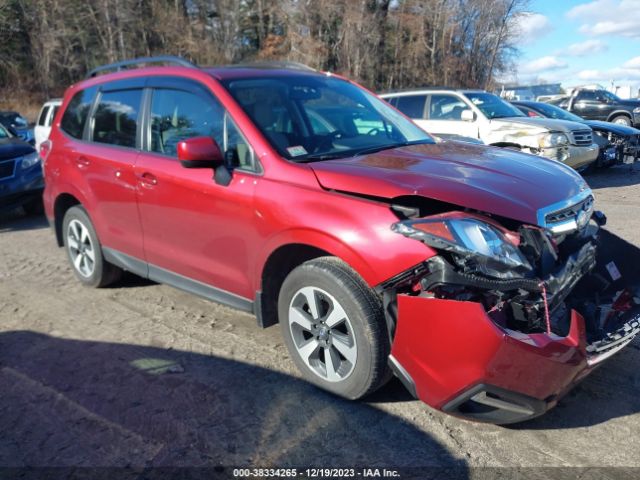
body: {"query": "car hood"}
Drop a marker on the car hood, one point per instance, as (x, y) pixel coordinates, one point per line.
(14, 147)
(538, 123)
(612, 127)
(493, 180)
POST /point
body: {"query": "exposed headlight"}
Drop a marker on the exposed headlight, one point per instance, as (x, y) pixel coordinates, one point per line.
(29, 160)
(547, 140)
(636, 110)
(477, 244)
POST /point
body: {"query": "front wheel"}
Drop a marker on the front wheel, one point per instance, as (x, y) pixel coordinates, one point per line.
(84, 250)
(334, 328)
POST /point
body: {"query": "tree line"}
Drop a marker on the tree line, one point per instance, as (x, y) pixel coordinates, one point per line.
(46, 45)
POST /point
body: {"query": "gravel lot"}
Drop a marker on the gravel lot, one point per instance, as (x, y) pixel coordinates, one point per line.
(144, 375)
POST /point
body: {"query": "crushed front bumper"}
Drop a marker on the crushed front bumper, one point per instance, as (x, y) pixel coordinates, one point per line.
(456, 359)
(581, 157)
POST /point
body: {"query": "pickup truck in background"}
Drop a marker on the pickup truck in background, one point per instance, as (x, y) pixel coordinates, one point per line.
(600, 104)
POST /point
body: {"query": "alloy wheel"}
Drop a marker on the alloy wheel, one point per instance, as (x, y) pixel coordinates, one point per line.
(81, 249)
(322, 334)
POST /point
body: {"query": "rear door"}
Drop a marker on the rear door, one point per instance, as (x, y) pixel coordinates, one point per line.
(195, 229)
(106, 161)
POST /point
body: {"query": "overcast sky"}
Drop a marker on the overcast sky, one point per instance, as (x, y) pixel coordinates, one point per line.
(581, 41)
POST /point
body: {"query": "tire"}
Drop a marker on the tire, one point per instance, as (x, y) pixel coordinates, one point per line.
(84, 250)
(353, 338)
(622, 120)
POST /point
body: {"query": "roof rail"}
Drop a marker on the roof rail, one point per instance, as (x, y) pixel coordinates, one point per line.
(117, 66)
(273, 64)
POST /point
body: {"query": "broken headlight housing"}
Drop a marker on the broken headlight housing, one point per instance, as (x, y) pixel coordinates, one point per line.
(551, 140)
(475, 245)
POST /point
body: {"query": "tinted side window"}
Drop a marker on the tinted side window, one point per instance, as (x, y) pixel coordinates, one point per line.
(116, 118)
(411, 105)
(43, 115)
(446, 107)
(176, 115)
(76, 113)
(586, 95)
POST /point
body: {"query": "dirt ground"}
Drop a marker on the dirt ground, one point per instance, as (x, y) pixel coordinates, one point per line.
(143, 375)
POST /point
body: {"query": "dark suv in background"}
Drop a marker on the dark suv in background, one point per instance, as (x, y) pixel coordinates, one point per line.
(600, 104)
(469, 272)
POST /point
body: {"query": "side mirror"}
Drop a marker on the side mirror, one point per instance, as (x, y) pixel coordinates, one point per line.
(199, 152)
(467, 115)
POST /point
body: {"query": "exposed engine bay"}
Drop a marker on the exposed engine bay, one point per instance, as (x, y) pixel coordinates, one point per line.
(527, 278)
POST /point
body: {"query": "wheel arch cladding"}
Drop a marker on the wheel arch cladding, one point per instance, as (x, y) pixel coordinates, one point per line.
(276, 268)
(62, 203)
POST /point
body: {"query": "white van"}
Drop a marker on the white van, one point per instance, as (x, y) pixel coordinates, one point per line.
(45, 119)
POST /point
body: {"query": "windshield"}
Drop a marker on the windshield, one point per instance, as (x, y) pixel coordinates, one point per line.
(3, 133)
(551, 111)
(493, 106)
(308, 118)
(13, 119)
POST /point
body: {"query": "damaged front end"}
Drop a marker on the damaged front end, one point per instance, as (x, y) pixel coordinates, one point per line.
(618, 148)
(503, 321)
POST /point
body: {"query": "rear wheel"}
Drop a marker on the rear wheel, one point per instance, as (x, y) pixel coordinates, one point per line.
(621, 120)
(84, 250)
(334, 328)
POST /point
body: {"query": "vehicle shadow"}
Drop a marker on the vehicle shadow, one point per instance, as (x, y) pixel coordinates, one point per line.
(86, 404)
(16, 220)
(618, 176)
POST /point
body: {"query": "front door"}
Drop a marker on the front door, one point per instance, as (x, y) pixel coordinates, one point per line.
(444, 115)
(193, 226)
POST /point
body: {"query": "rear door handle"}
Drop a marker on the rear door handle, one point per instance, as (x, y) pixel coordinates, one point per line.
(148, 179)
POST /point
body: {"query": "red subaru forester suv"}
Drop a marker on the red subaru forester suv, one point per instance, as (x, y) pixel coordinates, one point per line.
(467, 271)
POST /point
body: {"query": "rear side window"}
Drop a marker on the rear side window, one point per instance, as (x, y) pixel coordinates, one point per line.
(77, 112)
(116, 118)
(42, 119)
(411, 105)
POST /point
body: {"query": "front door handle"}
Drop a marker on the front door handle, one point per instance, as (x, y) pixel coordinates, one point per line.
(148, 179)
(82, 162)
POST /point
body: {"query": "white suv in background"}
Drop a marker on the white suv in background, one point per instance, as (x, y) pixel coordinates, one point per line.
(482, 115)
(45, 119)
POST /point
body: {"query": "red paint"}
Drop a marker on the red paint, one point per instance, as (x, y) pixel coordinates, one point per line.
(449, 346)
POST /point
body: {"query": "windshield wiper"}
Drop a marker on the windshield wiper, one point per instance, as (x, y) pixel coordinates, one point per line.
(354, 153)
(380, 148)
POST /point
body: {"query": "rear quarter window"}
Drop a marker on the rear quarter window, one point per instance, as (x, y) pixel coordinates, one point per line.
(75, 116)
(43, 115)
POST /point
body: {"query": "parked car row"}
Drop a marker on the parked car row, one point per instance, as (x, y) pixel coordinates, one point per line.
(17, 125)
(531, 127)
(473, 274)
(618, 143)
